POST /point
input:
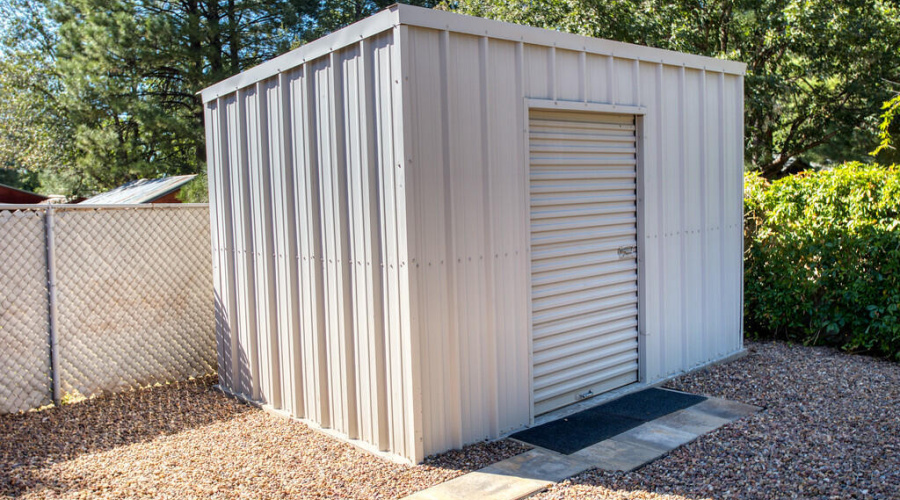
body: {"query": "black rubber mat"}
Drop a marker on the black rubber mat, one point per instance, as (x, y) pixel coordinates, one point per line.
(582, 429)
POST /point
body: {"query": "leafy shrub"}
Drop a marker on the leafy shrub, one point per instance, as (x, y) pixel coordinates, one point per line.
(822, 258)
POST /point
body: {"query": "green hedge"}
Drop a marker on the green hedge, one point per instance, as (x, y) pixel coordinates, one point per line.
(823, 258)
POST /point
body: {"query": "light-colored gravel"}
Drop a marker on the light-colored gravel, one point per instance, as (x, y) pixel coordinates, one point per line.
(831, 429)
(190, 441)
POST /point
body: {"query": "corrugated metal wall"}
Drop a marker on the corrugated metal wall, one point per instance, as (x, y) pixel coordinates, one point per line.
(370, 199)
(306, 184)
(469, 227)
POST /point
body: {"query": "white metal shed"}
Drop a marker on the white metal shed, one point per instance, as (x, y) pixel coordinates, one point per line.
(430, 228)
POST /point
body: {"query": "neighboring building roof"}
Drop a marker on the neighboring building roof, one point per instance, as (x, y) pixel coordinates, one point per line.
(13, 196)
(140, 191)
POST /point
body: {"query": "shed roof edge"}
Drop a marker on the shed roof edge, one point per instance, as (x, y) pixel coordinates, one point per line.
(478, 26)
(409, 15)
(365, 28)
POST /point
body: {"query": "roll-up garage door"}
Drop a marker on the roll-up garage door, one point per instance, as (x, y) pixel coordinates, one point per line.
(583, 180)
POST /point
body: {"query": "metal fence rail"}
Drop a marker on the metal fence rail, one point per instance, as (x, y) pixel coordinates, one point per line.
(124, 292)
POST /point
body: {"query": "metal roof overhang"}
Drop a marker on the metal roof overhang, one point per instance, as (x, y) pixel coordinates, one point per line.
(401, 14)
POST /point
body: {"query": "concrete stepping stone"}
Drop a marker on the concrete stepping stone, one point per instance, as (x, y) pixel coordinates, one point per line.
(693, 421)
(510, 479)
(655, 436)
(483, 485)
(540, 464)
(727, 409)
(618, 456)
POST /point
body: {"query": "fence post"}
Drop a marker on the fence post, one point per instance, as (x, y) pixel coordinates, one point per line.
(51, 293)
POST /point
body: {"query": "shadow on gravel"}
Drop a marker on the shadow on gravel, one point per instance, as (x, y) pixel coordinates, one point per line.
(34, 440)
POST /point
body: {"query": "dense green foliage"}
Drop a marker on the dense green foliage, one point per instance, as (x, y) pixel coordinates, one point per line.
(817, 72)
(823, 258)
(95, 93)
(885, 128)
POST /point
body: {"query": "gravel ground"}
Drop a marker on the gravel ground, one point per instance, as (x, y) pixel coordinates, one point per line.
(831, 429)
(189, 441)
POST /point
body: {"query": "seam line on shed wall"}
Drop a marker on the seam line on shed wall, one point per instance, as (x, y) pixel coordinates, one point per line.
(449, 210)
(682, 209)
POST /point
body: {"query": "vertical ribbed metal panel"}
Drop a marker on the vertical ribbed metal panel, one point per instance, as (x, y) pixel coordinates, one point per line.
(468, 214)
(308, 199)
(583, 221)
(371, 222)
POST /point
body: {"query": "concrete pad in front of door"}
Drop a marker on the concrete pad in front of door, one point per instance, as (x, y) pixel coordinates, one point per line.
(525, 474)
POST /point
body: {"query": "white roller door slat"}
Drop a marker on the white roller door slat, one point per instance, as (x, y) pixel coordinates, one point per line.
(569, 237)
(570, 199)
(559, 257)
(583, 183)
(566, 360)
(589, 148)
(613, 331)
(598, 188)
(573, 160)
(574, 311)
(587, 321)
(582, 210)
(538, 136)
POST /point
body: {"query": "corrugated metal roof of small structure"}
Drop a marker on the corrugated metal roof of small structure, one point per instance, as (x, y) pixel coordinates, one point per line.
(410, 15)
(140, 191)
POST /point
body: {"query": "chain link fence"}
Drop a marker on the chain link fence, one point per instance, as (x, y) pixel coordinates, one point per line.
(131, 302)
(24, 341)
